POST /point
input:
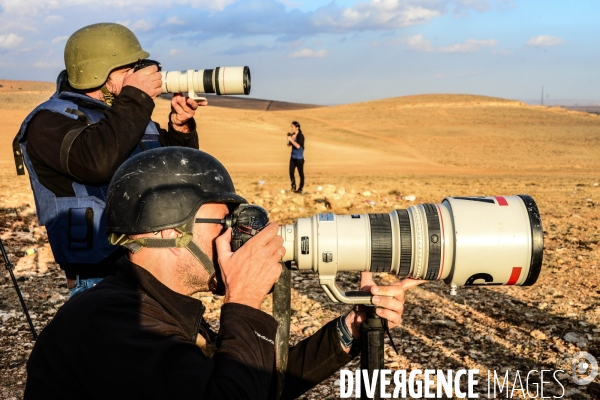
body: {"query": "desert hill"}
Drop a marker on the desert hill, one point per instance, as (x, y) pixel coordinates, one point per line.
(415, 134)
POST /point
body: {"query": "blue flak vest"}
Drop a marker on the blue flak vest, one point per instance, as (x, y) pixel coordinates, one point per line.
(76, 225)
(298, 154)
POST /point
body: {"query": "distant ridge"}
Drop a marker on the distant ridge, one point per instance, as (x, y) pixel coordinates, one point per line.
(590, 109)
(245, 103)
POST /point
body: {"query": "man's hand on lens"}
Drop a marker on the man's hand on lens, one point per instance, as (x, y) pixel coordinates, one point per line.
(251, 271)
(148, 80)
(183, 109)
(389, 300)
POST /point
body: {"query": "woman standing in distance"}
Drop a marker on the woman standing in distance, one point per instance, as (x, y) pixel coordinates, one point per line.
(296, 140)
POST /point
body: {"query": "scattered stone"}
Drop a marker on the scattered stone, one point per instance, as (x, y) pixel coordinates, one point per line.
(539, 335)
(338, 202)
(417, 312)
(573, 337)
(328, 189)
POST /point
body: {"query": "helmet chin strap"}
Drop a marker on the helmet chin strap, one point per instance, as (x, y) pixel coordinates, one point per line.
(108, 96)
(136, 244)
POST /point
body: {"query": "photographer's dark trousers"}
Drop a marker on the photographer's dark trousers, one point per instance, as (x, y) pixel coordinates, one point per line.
(300, 165)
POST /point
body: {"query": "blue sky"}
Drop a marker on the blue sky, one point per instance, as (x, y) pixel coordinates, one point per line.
(336, 52)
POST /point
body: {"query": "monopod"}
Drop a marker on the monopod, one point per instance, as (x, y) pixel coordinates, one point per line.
(10, 267)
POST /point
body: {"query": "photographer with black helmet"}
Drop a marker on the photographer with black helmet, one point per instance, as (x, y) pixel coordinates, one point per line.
(140, 335)
(72, 144)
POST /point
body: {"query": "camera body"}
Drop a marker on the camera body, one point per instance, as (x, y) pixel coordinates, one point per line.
(246, 220)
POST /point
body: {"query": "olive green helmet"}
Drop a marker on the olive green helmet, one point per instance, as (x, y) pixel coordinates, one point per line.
(94, 51)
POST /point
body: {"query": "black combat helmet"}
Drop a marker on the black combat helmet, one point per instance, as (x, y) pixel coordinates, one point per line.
(164, 188)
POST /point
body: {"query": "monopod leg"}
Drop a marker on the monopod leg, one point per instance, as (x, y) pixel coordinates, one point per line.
(371, 352)
(281, 312)
(9, 266)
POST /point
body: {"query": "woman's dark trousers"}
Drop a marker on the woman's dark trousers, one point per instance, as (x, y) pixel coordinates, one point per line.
(300, 165)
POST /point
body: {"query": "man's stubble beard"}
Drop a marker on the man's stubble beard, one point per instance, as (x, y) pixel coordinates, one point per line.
(192, 273)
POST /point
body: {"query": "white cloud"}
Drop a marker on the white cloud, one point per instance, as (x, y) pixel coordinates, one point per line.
(141, 25)
(174, 21)
(469, 46)
(419, 43)
(478, 5)
(308, 53)
(10, 41)
(544, 41)
(59, 39)
(214, 18)
(216, 5)
(505, 4)
(44, 6)
(291, 4)
(174, 52)
(295, 43)
(47, 64)
(54, 19)
(376, 14)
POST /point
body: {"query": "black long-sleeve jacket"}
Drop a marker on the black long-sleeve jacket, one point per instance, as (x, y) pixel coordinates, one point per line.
(132, 337)
(96, 153)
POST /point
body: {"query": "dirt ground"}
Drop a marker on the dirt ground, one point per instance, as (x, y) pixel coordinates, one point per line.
(366, 158)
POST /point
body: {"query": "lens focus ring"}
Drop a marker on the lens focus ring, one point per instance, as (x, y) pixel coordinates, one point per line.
(435, 245)
(381, 242)
(405, 242)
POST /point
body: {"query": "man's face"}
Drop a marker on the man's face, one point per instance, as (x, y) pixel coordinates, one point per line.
(192, 272)
(116, 78)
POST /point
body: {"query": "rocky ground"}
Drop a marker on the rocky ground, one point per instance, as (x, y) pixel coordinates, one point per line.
(491, 329)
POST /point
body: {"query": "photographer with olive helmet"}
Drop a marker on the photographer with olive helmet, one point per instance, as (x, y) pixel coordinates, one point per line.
(99, 116)
(139, 334)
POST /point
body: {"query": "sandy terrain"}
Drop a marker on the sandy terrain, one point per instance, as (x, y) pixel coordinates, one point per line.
(372, 154)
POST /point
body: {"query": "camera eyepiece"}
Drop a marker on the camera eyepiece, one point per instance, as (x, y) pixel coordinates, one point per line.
(146, 63)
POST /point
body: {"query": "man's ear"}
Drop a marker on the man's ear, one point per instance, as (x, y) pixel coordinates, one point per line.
(170, 234)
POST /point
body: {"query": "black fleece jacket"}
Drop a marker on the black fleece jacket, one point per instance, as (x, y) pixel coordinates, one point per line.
(97, 152)
(132, 337)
